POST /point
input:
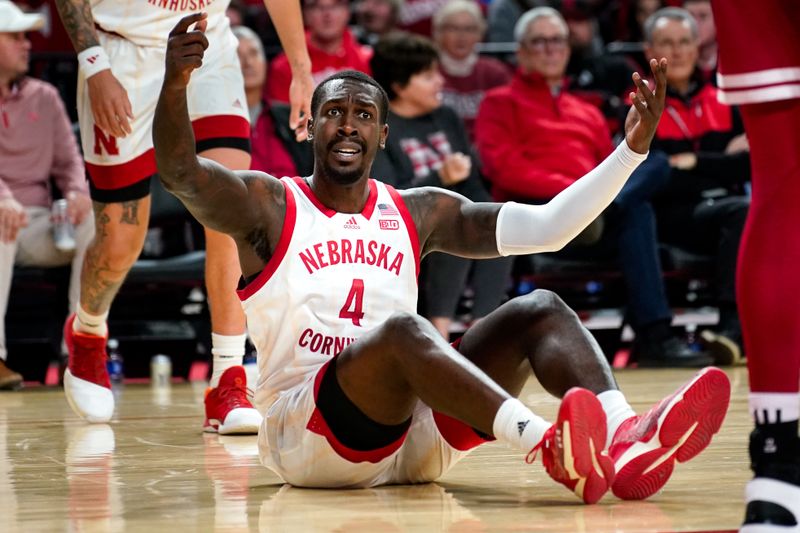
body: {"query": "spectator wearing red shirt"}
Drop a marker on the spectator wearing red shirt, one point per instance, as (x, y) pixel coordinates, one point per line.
(535, 139)
(331, 47)
(457, 28)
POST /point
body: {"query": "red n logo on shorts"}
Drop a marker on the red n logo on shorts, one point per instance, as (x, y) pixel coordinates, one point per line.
(109, 144)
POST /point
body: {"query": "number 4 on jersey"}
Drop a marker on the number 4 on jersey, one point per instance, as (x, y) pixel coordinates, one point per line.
(352, 308)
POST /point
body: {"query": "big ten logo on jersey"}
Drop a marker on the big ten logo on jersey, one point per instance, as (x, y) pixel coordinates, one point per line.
(387, 210)
(104, 143)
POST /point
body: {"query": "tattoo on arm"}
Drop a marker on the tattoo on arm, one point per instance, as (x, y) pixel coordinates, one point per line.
(260, 242)
(79, 23)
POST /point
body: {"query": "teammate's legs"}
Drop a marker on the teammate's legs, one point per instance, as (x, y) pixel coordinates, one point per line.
(767, 273)
(228, 410)
(120, 230)
(770, 250)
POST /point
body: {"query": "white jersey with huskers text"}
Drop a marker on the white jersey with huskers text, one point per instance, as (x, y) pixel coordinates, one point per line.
(333, 277)
(148, 22)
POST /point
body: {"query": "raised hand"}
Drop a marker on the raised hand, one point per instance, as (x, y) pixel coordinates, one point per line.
(185, 50)
(643, 117)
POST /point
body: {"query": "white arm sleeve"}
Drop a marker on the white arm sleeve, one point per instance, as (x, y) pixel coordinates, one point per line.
(528, 229)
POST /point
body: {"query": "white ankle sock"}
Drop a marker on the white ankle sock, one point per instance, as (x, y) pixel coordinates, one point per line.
(228, 351)
(91, 324)
(517, 426)
(773, 407)
(617, 411)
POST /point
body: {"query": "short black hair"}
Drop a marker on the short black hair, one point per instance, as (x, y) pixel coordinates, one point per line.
(355, 75)
(398, 56)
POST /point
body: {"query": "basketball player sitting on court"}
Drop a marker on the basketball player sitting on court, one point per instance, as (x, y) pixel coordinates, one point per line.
(356, 389)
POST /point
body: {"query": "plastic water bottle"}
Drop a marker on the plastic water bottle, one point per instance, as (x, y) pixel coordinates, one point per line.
(114, 364)
(692, 338)
(63, 231)
(160, 371)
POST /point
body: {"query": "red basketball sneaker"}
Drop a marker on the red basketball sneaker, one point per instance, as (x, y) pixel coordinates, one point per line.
(228, 411)
(86, 383)
(572, 449)
(646, 447)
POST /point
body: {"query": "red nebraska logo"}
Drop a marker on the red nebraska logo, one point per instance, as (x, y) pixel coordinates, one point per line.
(388, 224)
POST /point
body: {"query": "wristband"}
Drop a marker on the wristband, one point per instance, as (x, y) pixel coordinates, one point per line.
(93, 60)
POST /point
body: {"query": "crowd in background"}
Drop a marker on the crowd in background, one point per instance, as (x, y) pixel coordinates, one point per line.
(511, 100)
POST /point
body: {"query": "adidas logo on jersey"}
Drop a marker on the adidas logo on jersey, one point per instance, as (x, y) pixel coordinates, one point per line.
(352, 224)
(92, 59)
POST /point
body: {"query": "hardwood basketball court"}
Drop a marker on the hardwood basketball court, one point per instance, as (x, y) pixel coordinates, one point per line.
(152, 469)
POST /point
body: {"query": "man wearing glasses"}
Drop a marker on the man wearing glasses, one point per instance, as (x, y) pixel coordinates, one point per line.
(535, 139)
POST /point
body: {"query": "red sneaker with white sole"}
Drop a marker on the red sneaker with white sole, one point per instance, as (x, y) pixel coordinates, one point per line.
(228, 411)
(572, 449)
(646, 447)
(86, 382)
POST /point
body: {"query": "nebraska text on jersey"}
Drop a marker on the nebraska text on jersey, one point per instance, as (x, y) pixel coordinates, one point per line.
(300, 311)
(345, 251)
(181, 5)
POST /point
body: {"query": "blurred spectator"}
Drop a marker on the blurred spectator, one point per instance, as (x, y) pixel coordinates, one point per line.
(375, 18)
(504, 14)
(457, 28)
(630, 15)
(599, 78)
(416, 15)
(236, 12)
(535, 139)
(706, 37)
(52, 37)
(272, 144)
(36, 143)
(703, 207)
(331, 47)
(428, 146)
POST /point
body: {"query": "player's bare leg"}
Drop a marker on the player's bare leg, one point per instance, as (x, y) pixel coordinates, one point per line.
(537, 332)
(228, 410)
(385, 372)
(119, 237)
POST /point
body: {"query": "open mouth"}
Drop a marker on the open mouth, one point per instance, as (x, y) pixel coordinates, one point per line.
(346, 151)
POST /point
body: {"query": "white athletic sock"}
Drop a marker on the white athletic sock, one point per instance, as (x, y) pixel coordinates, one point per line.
(91, 324)
(617, 411)
(774, 407)
(517, 426)
(228, 351)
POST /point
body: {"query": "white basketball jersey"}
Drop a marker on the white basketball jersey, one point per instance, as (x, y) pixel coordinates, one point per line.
(333, 277)
(148, 22)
